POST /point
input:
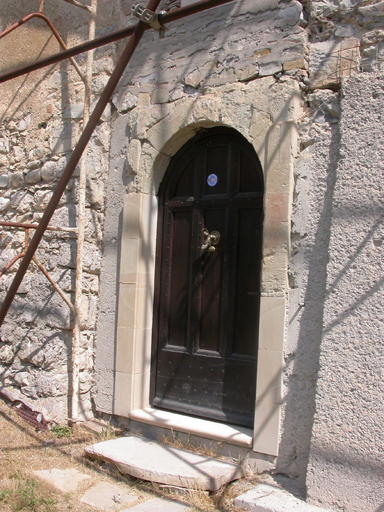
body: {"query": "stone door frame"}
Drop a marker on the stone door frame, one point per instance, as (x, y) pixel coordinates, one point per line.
(265, 113)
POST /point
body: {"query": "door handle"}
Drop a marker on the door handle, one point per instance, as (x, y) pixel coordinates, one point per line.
(210, 240)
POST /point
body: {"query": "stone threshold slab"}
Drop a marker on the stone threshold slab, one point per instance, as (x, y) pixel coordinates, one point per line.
(238, 436)
(151, 461)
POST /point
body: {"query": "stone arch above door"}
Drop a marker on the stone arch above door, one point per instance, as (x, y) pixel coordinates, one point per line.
(266, 117)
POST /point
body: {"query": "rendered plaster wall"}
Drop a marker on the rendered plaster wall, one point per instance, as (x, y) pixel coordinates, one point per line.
(314, 176)
(344, 38)
(346, 458)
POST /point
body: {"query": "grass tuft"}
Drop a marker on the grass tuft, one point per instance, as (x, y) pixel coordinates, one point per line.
(5, 495)
(23, 493)
(62, 431)
(28, 497)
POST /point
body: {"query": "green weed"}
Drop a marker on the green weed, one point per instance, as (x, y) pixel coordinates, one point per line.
(62, 431)
(27, 498)
(26, 495)
(107, 433)
(5, 495)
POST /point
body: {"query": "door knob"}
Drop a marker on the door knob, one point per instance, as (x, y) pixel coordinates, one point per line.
(210, 239)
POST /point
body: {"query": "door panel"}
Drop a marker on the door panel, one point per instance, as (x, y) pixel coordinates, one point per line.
(207, 300)
(216, 163)
(247, 284)
(178, 253)
(210, 298)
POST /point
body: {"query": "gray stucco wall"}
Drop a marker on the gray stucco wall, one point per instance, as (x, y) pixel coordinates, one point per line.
(346, 457)
(315, 171)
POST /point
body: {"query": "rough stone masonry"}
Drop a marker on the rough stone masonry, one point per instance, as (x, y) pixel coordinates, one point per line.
(234, 66)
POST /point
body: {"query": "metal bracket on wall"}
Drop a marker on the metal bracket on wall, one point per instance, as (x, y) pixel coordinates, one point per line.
(149, 17)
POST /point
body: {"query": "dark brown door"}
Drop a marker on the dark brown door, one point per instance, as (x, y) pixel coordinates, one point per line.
(208, 291)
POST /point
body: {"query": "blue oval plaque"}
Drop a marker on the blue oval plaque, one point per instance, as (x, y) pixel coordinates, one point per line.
(212, 180)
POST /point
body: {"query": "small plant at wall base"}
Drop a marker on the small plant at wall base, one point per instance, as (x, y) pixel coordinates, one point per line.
(61, 430)
(108, 433)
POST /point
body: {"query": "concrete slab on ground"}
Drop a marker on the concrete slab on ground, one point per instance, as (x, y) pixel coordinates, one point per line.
(270, 498)
(158, 505)
(108, 497)
(66, 480)
(164, 464)
(96, 427)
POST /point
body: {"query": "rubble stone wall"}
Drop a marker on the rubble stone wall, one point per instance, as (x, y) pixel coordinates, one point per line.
(334, 52)
(40, 122)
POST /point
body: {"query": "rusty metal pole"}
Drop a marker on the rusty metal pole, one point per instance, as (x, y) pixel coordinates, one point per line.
(123, 61)
(75, 157)
(42, 16)
(173, 15)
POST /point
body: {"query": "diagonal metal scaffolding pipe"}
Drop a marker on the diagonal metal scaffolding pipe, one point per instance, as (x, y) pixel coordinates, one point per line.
(121, 65)
(173, 15)
(52, 28)
(75, 157)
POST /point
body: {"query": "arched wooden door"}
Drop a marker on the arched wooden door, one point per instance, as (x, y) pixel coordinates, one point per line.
(208, 290)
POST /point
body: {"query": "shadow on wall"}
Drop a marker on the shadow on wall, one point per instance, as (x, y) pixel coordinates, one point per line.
(109, 299)
(300, 399)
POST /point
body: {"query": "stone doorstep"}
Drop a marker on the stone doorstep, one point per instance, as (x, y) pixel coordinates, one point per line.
(151, 461)
(271, 498)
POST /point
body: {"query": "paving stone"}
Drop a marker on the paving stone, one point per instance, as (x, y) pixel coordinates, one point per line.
(66, 480)
(158, 505)
(106, 496)
(270, 498)
(166, 465)
(95, 426)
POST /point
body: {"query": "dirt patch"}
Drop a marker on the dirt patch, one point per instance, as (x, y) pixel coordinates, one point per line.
(24, 450)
